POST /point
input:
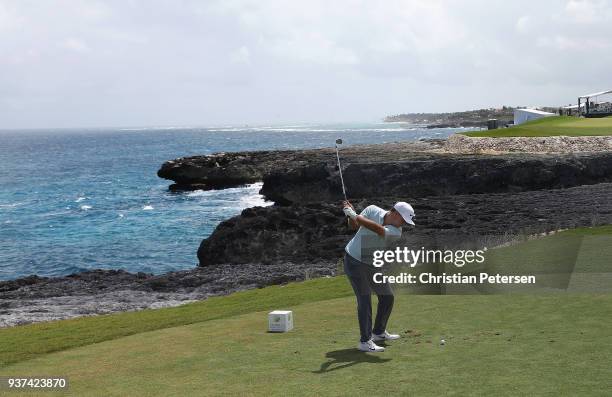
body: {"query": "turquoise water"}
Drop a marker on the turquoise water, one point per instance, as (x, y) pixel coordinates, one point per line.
(73, 200)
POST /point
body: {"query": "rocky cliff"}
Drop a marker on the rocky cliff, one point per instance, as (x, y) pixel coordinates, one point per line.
(318, 232)
(220, 170)
(437, 175)
(409, 169)
(460, 192)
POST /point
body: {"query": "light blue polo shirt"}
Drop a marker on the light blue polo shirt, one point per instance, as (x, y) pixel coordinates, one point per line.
(366, 240)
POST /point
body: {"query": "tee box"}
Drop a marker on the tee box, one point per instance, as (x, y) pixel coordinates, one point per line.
(280, 321)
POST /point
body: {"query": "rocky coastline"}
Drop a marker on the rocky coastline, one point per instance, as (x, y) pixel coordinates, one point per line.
(456, 185)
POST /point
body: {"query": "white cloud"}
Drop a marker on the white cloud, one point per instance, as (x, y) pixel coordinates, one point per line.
(587, 11)
(523, 24)
(74, 44)
(312, 47)
(225, 61)
(241, 55)
(9, 19)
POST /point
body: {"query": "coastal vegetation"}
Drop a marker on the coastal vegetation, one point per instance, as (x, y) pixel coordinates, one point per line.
(468, 118)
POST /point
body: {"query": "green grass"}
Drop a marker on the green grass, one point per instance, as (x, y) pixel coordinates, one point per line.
(553, 126)
(496, 345)
(576, 260)
(29, 341)
(581, 250)
(526, 344)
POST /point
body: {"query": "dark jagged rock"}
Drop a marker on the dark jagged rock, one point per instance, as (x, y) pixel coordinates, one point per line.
(276, 234)
(223, 170)
(200, 280)
(399, 169)
(32, 299)
(439, 176)
(313, 232)
(214, 171)
(12, 285)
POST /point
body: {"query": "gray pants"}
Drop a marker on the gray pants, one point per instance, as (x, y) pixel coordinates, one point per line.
(360, 275)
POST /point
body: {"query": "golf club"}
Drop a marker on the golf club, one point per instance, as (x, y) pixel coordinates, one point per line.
(339, 142)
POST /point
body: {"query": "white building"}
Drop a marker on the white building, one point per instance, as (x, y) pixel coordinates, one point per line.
(593, 108)
(523, 115)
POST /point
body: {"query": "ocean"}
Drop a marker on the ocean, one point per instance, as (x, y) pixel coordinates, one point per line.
(79, 199)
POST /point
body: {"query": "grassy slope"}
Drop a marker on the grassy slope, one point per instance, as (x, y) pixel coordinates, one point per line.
(583, 250)
(508, 344)
(576, 260)
(28, 341)
(553, 126)
(496, 345)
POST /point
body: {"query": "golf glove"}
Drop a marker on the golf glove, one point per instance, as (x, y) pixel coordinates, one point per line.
(348, 211)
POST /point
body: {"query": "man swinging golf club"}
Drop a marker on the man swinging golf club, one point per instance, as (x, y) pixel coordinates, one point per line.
(376, 228)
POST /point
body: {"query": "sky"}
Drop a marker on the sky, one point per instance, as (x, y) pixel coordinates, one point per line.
(78, 63)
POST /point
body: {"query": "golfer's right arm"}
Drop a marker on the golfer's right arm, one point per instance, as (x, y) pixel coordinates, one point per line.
(371, 225)
(352, 223)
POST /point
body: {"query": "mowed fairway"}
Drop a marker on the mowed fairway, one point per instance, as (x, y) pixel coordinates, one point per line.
(496, 345)
(553, 126)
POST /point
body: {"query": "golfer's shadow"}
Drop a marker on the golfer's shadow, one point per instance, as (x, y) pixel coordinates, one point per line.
(347, 358)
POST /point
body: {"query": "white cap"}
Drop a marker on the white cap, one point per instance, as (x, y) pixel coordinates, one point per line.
(405, 211)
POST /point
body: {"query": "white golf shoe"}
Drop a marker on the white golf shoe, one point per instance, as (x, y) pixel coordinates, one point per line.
(384, 336)
(370, 346)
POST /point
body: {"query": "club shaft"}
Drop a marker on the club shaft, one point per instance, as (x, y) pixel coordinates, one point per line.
(340, 169)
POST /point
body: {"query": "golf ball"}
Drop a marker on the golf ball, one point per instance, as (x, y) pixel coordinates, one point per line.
(442, 341)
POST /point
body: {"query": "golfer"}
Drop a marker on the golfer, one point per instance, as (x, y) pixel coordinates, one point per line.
(376, 229)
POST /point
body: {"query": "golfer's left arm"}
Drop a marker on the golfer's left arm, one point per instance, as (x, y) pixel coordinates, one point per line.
(361, 220)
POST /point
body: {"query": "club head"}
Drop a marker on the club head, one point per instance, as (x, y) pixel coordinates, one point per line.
(338, 141)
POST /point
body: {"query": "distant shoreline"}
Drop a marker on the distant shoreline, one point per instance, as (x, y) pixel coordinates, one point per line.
(468, 118)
